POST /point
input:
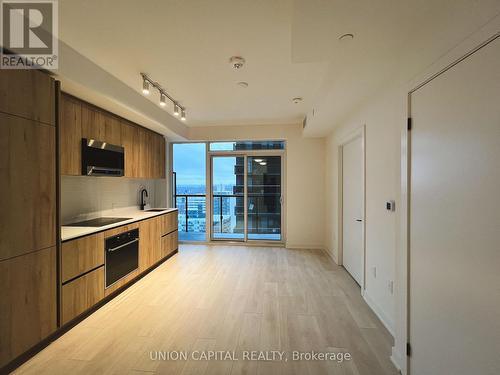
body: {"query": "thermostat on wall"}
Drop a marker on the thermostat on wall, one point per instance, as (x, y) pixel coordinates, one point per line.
(390, 206)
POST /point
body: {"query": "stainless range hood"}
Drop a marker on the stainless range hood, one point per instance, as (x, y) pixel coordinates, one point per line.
(102, 159)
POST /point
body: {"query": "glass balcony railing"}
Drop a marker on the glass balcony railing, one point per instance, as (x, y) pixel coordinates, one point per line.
(192, 216)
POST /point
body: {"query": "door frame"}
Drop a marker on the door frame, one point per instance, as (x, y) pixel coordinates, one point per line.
(245, 153)
(358, 133)
(208, 193)
(209, 218)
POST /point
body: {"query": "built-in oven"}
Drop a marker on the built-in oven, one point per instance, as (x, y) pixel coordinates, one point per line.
(102, 159)
(122, 255)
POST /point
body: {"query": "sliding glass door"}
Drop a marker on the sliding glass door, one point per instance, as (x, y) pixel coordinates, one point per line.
(246, 197)
(228, 198)
(264, 198)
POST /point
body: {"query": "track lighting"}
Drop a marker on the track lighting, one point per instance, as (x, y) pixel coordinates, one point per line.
(145, 87)
(147, 82)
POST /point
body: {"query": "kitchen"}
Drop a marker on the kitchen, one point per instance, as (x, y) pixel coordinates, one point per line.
(89, 186)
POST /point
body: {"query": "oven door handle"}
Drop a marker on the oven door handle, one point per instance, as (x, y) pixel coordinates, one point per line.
(125, 244)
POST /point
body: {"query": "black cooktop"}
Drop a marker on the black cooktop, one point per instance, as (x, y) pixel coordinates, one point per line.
(98, 222)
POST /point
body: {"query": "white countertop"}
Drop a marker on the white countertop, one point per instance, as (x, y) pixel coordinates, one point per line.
(134, 213)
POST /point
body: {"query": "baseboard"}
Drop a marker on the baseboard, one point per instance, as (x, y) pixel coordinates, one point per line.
(397, 360)
(331, 255)
(386, 321)
(304, 247)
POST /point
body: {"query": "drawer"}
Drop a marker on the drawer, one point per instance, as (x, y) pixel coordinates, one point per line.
(169, 243)
(169, 222)
(81, 294)
(81, 255)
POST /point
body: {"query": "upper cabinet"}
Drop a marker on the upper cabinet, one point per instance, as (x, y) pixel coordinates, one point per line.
(70, 135)
(28, 94)
(144, 149)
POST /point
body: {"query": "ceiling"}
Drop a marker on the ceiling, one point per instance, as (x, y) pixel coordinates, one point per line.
(291, 50)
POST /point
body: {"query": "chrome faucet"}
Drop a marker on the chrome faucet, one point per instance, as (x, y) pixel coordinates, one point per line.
(143, 202)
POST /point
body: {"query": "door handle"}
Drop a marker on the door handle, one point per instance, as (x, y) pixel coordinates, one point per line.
(121, 246)
(359, 220)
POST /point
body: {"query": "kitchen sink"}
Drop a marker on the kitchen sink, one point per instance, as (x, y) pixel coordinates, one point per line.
(156, 209)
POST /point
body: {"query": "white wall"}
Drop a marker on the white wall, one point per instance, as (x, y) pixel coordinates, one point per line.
(383, 118)
(305, 182)
(84, 195)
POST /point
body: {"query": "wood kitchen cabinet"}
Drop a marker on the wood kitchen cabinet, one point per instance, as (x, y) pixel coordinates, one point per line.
(112, 130)
(83, 262)
(144, 149)
(29, 94)
(130, 137)
(169, 243)
(28, 264)
(27, 186)
(81, 255)
(70, 135)
(81, 294)
(92, 123)
(149, 243)
(169, 222)
(28, 303)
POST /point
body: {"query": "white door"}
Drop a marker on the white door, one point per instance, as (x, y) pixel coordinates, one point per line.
(455, 220)
(352, 195)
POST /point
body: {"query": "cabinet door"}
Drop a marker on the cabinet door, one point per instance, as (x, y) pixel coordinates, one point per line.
(81, 255)
(149, 243)
(169, 222)
(112, 130)
(28, 302)
(169, 244)
(92, 123)
(159, 156)
(81, 294)
(130, 141)
(27, 93)
(145, 169)
(27, 186)
(70, 135)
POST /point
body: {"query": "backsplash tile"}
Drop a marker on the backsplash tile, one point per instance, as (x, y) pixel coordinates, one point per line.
(82, 196)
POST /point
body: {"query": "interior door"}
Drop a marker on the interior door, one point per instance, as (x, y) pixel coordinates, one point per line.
(352, 208)
(454, 295)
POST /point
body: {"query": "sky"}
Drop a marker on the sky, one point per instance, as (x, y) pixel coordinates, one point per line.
(189, 165)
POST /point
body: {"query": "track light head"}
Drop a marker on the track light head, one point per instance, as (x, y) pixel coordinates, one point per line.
(176, 110)
(145, 86)
(183, 115)
(163, 102)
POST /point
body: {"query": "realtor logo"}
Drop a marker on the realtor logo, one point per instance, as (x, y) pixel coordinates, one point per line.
(29, 34)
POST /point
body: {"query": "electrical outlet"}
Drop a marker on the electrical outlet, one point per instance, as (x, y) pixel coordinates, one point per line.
(374, 271)
(390, 286)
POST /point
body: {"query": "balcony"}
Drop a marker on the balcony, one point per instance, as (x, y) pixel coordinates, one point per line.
(264, 218)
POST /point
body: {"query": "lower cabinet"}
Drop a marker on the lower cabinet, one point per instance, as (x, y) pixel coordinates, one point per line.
(83, 262)
(81, 294)
(81, 255)
(28, 302)
(149, 243)
(169, 243)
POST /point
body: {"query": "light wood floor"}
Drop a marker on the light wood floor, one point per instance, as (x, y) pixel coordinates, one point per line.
(227, 298)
